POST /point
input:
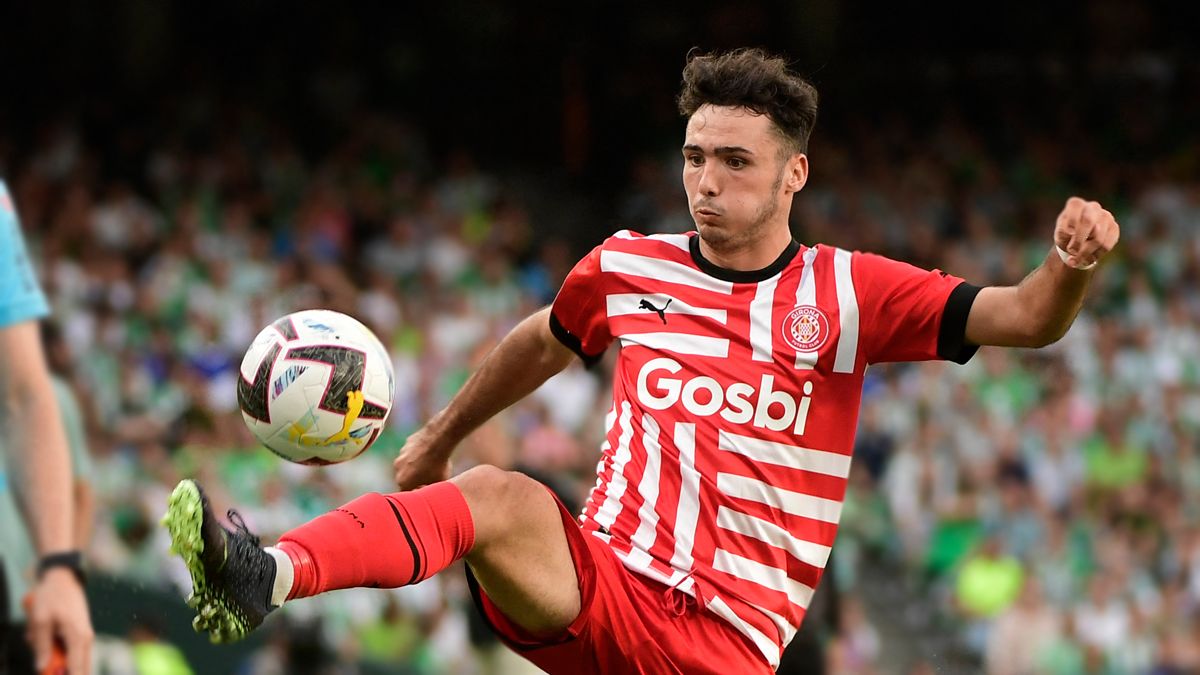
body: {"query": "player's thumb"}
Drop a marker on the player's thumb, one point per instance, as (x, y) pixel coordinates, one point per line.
(1062, 238)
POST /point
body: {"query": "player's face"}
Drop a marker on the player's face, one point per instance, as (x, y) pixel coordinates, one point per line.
(738, 176)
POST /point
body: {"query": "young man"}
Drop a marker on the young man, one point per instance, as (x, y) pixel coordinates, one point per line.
(36, 464)
(735, 402)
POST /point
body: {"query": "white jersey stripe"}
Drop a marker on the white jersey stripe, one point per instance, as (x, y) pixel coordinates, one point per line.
(794, 503)
(761, 320)
(689, 496)
(770, 533)
(610, 419)
(607, 514)
(786, 630)
(806, 294)
(766, 646)
(620, 304)
(763, 575)
(847, 346)
(638, 561)
(661, 270)
(782, 454)
(647, 531)
(680, 343)
(679, 241)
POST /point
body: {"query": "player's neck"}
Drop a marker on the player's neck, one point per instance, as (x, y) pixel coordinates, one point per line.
(755, 256)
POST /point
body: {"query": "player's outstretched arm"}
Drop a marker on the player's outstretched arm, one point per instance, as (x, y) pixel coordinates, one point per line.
(37, 441)
(1040, 309)
(524, 359)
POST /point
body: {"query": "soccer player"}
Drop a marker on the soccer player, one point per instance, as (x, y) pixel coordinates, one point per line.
(38, 461)
(735, 400)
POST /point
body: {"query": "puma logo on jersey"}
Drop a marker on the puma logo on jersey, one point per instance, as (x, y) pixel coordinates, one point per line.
(662, 313)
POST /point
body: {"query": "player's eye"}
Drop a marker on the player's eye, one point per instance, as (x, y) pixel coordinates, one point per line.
(735, 162)
(695, 160)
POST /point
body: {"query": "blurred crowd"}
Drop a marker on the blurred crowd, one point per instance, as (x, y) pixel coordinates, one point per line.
(1044, 506)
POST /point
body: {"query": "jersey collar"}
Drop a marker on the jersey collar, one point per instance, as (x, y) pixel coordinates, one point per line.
(742, 276)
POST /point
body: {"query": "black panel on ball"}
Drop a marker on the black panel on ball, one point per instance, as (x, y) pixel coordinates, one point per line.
(252, 396)
(349, 369)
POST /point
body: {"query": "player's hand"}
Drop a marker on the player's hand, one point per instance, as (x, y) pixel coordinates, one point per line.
(1086, 231)
(419, 463)
(58, 609)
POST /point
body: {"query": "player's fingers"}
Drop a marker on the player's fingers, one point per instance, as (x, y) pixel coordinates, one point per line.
(1110, 240)
(1103, 238)
(79, 647)
(1102, 235)
(1112, 232)
(1089, 252)
(1085, 223)
(1065, 224)
(41, 637)
(403, 474)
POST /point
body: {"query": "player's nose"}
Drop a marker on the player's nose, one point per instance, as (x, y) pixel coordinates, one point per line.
(709, 181)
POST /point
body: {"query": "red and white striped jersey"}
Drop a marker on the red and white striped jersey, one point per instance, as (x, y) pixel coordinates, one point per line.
(735, 403)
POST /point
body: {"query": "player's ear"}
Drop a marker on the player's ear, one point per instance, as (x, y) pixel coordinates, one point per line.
(796, 172)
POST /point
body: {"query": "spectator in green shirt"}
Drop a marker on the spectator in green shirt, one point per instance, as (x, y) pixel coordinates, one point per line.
(1112, 463)
(988, 583)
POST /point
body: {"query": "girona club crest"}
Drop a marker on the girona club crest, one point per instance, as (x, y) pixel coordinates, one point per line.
(806, 328)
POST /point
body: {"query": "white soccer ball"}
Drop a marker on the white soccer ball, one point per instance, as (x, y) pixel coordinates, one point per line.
(316, 387)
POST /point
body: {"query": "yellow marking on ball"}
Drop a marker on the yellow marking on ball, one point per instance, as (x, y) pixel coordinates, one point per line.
(354, 403)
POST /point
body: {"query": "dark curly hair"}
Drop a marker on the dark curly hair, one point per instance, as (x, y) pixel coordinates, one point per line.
(757, 81)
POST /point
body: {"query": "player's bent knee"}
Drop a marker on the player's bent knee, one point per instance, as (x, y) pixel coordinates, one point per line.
(503, 501)
(494, 486)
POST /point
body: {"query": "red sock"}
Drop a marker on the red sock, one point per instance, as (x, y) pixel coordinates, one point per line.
(380, 541)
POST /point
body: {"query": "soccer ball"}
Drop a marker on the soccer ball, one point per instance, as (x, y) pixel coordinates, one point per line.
(316, 387)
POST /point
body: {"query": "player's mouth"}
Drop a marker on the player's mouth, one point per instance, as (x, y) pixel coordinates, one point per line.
(706, 212)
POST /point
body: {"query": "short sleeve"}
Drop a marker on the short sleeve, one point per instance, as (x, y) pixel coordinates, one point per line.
(911, 314)
(21, 297)
(578, 317)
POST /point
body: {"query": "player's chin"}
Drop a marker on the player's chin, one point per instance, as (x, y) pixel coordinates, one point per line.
(713, 232)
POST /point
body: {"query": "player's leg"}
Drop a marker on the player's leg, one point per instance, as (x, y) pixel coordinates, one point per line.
(516, 548)
(523, 562)
(506, 524)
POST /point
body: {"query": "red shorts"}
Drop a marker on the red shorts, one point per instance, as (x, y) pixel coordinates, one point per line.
(627, 624)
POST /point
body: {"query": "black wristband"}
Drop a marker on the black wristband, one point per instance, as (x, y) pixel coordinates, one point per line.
(72, 560)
